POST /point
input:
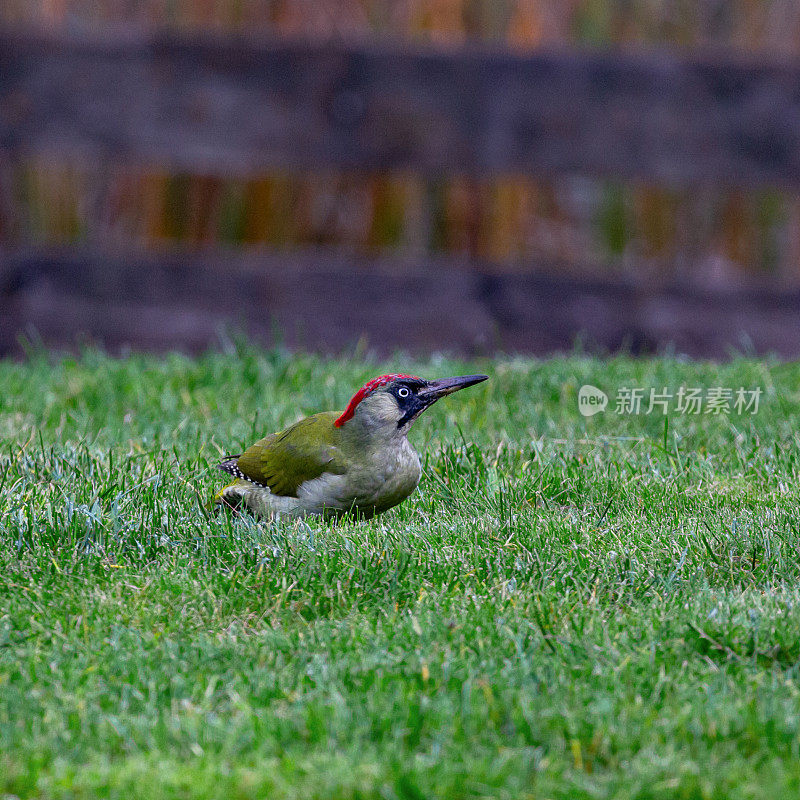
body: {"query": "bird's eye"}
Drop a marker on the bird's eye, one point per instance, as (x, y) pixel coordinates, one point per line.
(403, 392)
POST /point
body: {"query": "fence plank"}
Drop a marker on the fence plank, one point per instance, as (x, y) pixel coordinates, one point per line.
(327, 302)
(223, 105)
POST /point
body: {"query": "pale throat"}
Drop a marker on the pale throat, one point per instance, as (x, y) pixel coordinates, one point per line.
(377, 417)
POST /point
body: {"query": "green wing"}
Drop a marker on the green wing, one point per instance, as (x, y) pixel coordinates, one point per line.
(304, 451)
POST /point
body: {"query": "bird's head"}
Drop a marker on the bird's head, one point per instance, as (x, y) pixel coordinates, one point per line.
(393, 402)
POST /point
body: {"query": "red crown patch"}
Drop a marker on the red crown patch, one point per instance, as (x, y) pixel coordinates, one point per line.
(366, 390)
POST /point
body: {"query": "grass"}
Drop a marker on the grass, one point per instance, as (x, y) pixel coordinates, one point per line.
(566, 608)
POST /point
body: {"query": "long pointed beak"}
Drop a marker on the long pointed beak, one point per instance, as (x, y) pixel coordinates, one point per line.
(436, 389)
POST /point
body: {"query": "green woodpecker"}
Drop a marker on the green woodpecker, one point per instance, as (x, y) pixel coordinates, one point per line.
(359, 461)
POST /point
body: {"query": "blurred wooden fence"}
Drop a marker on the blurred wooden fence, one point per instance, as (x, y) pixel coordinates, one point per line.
(210, 105)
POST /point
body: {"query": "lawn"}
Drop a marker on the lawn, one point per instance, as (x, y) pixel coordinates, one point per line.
(568, 607)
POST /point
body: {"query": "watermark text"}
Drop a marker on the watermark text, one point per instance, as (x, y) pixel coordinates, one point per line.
(713, 400)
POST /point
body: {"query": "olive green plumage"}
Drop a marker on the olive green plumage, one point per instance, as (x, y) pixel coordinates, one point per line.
(304, 451)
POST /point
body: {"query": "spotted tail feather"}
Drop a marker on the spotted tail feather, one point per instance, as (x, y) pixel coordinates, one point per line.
(231, 466)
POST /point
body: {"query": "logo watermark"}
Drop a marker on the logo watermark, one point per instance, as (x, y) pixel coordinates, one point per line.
(714, 400)
(591, 400)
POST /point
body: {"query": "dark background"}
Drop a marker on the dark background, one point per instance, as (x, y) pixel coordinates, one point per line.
(431, 175)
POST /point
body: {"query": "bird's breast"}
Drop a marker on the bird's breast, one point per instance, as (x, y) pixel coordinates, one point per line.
(397, 473)
(373, 484)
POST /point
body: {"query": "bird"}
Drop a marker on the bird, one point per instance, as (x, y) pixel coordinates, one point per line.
(358, 462)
